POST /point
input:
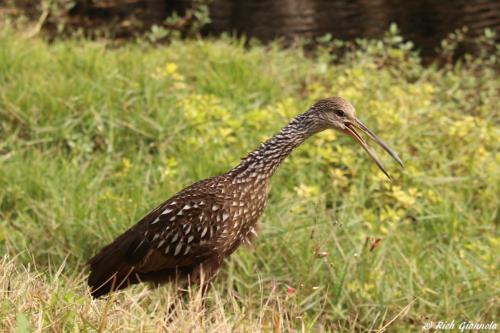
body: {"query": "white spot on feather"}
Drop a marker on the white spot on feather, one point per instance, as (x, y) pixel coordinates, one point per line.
(166, 211)
(178, 249)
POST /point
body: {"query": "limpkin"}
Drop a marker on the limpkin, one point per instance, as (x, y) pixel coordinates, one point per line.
(187, 237)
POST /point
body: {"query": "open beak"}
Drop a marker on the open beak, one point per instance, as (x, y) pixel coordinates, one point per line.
(351, 130)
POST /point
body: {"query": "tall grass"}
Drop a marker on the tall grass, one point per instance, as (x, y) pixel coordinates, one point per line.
(92, 137)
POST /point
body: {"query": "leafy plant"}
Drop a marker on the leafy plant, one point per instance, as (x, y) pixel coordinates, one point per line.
(92, 137)
(190, 24)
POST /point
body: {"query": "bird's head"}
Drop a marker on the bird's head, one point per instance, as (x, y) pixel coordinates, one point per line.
(337, 113)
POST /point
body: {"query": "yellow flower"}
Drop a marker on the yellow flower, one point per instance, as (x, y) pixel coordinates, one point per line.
(397, 54)
(305, 191)
(433, 197)
(226, 134)
(170, 169)
(170, 68)
(339, 178)
(177, 77)
(258, 118)
(368, 287)
(350, 93)
(495, 242)
(316, 90)
(329, 136)
(170, 71)
(195, 108)
(369, 217)
(377, 177)
(389, 215)
(428, 88)
(462, 127)
(407, 199)
(179, 84)
(126, 165)
(286, 108)
(353, 286)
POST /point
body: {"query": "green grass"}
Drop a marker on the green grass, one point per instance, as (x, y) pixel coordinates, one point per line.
(93, 137)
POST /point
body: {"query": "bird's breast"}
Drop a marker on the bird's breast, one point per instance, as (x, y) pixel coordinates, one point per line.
(243, 210)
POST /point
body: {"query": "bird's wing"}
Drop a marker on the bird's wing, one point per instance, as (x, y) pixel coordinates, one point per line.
(175, 237)
(180, 232)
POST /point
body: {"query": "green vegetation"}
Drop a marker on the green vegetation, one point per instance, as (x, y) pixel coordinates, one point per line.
(92, 138)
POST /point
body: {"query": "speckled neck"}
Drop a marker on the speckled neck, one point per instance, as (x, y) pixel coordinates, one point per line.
(264, 161)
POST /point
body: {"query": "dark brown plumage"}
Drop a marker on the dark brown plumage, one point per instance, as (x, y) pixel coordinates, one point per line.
(194, 231)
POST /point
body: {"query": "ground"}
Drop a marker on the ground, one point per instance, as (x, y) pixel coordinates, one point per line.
(92, 137)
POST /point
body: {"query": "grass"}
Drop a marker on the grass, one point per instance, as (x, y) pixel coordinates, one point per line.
(92, 137)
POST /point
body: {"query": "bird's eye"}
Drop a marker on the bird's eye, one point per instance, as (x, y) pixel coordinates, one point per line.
(340, 113)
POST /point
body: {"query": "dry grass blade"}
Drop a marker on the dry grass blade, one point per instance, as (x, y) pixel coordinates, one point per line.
(92, 136)
(402, 312)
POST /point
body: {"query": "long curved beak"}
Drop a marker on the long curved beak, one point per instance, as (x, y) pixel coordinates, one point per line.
(351, 130)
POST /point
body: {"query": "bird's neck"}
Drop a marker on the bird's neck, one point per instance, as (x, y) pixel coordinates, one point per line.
(263, 162)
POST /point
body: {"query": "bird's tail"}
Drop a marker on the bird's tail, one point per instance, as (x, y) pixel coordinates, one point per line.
(110, 269)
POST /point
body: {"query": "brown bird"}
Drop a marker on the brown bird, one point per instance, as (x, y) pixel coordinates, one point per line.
(189, 235)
